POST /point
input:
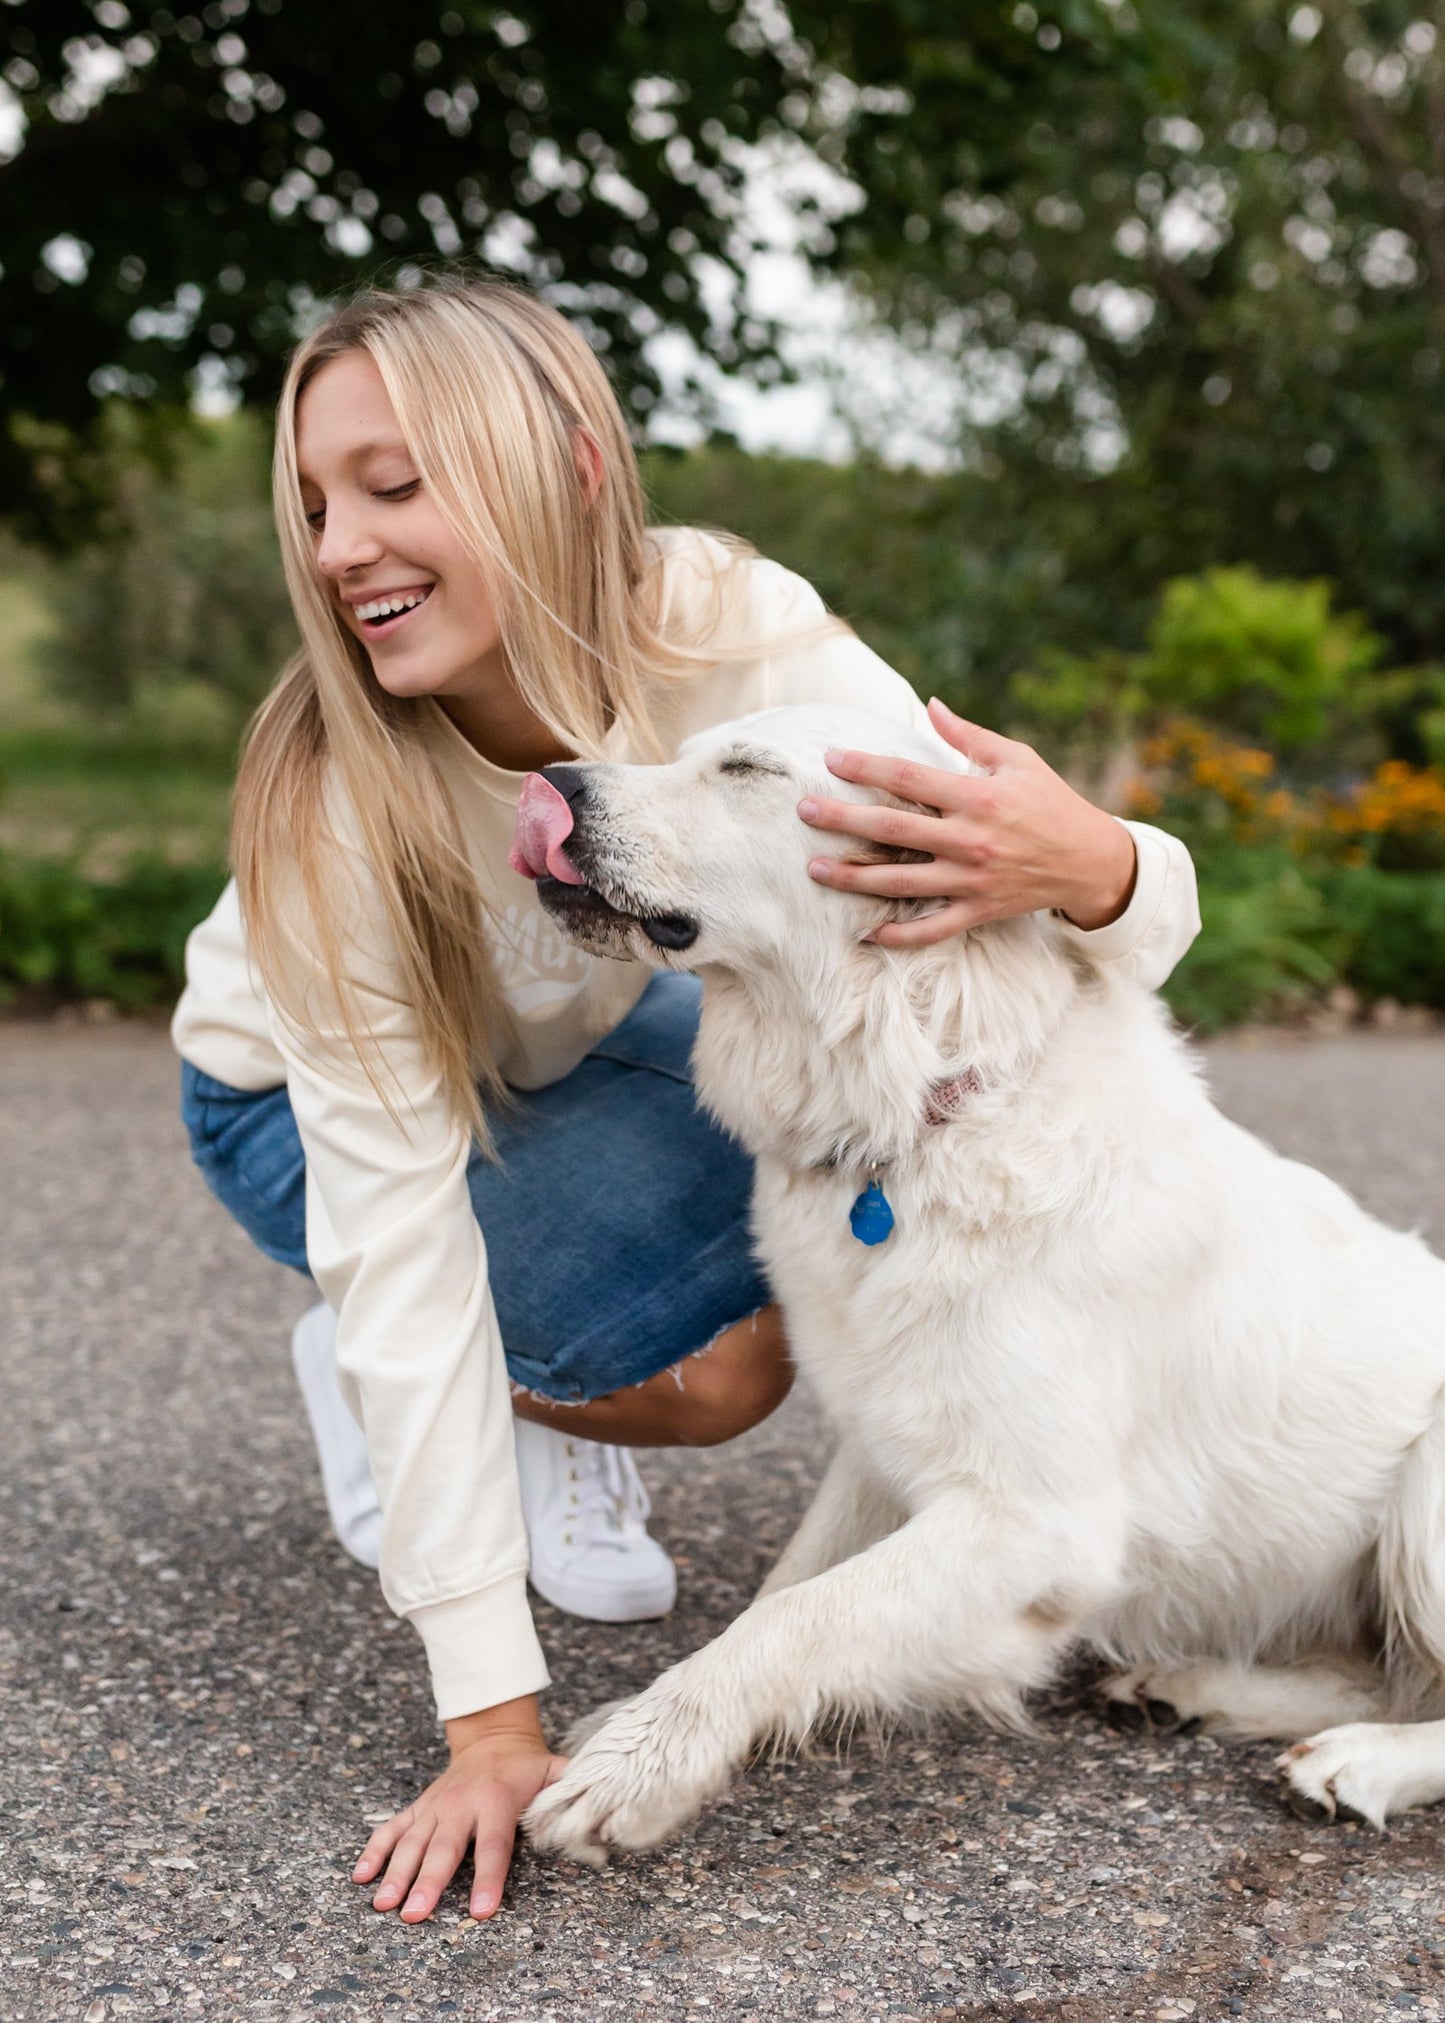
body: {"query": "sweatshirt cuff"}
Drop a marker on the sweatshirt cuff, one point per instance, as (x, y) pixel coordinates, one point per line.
(482, 1648)
(1124, 935)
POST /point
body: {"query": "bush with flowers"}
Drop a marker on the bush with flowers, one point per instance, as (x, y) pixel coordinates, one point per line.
(1301, 887)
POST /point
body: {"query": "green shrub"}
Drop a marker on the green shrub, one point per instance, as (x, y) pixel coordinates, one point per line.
(1392, 931)
(1262, 660)
(1269, 943)
(1269, 662)
(66, 935)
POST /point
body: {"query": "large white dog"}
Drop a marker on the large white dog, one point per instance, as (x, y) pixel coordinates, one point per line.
(1119, 1376)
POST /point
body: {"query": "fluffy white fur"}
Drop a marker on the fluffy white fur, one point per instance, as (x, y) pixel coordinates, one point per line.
(1121, 1376)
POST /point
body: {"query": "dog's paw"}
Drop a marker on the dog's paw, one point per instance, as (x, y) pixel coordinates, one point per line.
(1350, 1773)
(644, 1774)
(588, 1725)
(1157, 1703)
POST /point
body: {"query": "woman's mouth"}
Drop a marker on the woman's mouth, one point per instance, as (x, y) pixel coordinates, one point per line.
(381, 616)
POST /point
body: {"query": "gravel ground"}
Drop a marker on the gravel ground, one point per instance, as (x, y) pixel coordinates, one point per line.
(203, 1700)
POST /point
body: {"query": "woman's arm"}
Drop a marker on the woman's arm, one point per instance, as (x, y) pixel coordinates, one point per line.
(394, 1245)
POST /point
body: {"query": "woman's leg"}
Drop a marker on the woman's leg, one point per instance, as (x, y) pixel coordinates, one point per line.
(711, 1396)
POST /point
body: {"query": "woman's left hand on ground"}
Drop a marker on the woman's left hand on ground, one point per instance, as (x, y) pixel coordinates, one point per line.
(1012, 839)
(500, 1762)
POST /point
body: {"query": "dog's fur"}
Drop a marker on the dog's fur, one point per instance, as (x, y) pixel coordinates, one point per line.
(1120, 1377)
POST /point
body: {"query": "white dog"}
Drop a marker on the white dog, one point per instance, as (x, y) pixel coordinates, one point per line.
(1120, 1376)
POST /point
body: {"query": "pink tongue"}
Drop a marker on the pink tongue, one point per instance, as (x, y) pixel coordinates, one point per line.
(544, 821)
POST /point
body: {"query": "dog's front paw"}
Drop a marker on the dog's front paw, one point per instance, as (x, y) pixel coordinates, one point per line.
(589, 1724)
(645, 1772)
(1347, 1773)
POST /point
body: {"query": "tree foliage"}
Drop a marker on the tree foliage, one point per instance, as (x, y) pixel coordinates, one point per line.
(189, 184)
(1219, 267)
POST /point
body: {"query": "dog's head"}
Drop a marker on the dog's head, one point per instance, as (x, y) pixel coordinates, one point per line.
(704, 862)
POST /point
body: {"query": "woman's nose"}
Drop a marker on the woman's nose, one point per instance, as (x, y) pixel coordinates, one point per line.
(347, 542)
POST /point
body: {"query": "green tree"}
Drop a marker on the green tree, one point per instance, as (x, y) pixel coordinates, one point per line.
(189, 184)
(186, 591)
(1218, 266)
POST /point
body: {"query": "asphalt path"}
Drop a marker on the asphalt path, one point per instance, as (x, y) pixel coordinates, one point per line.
(203, 1701)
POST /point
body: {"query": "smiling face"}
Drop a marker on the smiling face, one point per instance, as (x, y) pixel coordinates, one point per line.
(400, 577)
(705, 861)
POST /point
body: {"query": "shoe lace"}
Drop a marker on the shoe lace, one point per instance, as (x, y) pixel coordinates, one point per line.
(607, 1501)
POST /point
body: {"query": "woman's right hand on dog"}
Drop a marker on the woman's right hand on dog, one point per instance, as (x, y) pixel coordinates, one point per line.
(500, 1761)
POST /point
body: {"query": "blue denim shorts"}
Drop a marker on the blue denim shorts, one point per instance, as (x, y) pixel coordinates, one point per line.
(616, 1224)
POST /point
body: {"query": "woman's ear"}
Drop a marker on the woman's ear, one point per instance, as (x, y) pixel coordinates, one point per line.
(590, 469)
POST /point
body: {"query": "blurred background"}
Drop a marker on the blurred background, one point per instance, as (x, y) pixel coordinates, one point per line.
(1089, 360)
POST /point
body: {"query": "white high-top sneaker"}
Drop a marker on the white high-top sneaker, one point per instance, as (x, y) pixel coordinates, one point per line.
(351, 1497)
(583, 1504)
(586, 1515)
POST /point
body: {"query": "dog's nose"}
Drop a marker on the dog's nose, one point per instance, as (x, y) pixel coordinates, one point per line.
(570, 782)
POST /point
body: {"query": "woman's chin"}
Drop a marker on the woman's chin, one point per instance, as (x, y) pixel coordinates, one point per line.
(405, 681)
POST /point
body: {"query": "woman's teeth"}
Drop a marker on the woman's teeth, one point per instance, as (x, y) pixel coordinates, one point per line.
(388, 607)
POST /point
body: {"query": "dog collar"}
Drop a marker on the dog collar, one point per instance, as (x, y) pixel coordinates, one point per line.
(871, 1216)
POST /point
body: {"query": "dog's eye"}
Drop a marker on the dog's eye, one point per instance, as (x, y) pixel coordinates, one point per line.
(739, 762)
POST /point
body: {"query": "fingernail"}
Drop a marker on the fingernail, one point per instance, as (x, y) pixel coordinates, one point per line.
(482, 1907)
(808, 810)
(416, 1901)
(833, 758)
(821, 869)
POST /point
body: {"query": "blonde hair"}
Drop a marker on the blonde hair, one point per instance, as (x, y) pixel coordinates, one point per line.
(491, 389)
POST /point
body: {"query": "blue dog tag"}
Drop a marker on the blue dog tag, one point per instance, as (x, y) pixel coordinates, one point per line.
(870, 1218)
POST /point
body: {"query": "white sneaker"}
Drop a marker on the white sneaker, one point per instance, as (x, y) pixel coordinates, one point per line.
(586, 1515)
(351, 1497)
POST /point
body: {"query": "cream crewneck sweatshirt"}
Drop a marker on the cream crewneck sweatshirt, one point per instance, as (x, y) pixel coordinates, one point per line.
(391, 1236)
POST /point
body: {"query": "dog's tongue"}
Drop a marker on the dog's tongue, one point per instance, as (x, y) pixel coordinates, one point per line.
(544, 822)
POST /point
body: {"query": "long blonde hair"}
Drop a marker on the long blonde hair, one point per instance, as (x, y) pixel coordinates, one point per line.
(490, 388)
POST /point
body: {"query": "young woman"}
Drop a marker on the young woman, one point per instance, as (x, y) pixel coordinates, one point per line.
(480, 1141)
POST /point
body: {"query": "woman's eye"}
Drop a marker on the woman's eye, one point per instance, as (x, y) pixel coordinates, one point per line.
(317, 519)
(401, 491)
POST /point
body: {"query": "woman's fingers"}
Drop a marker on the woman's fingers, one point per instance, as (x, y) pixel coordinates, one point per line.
(380, 1845)
(909, 779)
(933, 927)
(406, 1859)
(495, 1841)
(985, 747)
(444, 1854)
(426, 1853)
(898, 826)
(931, 880)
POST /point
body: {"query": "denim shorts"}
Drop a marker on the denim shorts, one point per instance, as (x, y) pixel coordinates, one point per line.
(616, 1225)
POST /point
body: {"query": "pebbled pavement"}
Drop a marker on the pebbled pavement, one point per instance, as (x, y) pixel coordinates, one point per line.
(203, 1701)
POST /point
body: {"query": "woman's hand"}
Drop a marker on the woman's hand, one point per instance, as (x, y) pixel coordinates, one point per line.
(1014, 839)
(499, 1764)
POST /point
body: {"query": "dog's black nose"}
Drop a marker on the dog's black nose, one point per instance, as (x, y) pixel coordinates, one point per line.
(570, 781)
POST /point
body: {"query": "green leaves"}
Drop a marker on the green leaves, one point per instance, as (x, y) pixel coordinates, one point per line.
(190, 186)
(1268, 660)
(65, 933)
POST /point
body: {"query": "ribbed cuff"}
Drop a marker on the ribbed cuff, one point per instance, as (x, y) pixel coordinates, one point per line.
(1123, 936)
(482, 1648)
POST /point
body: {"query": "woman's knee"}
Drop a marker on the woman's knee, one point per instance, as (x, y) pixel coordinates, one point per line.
(734, 1383)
